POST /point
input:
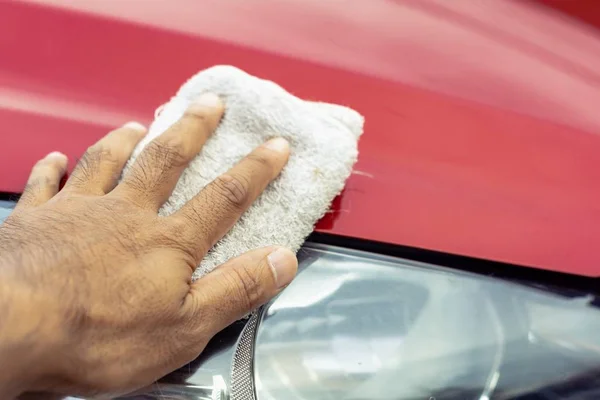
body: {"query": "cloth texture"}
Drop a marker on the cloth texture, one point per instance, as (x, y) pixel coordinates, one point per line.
(323, 139)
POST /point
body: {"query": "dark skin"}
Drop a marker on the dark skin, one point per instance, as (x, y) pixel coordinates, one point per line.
(96, 296)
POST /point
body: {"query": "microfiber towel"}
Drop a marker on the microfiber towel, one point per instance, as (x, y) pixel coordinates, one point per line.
(323, 139)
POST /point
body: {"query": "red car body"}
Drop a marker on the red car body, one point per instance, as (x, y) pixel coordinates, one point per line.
(482, 132)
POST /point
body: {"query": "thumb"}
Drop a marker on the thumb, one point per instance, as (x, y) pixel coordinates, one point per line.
(241, 285)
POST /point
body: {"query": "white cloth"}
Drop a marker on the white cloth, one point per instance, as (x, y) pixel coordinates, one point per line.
(323, 140)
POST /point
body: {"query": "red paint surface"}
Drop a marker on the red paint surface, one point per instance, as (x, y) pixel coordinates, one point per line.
(483, 118)
(584, 10)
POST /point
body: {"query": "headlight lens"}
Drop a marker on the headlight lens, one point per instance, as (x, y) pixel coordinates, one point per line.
(358, 326)
(6, 208)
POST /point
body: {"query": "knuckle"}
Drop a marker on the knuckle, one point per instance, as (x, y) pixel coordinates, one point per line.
(33, 187)
(178, 233)
(39, 183)
(83, 172)
(191, 220)
(178, 223)
(169, 151)
(48, 166)
(234, 189)
(100, 152)
(48, 183)
(90, 161)
(248, 288)
(36, 187)
(138, 186)
(188, 257)
(44, 169)
(197, 115)
(261, 161)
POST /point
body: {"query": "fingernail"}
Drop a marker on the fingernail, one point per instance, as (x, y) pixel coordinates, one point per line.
(207, 100)
(278, 144)
(283, 264)
(136, 126)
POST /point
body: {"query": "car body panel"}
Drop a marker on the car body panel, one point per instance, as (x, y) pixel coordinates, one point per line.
(482, 122)
(583, 10)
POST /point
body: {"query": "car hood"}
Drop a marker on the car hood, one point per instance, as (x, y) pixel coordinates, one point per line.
(481, 134)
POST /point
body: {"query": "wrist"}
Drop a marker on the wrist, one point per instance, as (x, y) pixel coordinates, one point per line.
(26, 338)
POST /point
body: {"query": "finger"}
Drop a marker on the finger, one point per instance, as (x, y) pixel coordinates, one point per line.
(100, 167)
(156, 171)
(212, 212)
(44, 180)
(240, 286)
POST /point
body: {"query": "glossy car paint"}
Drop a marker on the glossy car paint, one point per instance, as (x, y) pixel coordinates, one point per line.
(584, 10)
(482, 117)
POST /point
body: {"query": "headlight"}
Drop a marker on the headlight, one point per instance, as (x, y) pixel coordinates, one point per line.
(6, 208)
(358, 326)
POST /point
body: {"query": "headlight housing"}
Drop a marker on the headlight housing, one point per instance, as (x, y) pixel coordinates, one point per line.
(356, 326)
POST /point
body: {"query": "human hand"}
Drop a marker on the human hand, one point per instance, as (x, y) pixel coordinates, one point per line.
(96, 294)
